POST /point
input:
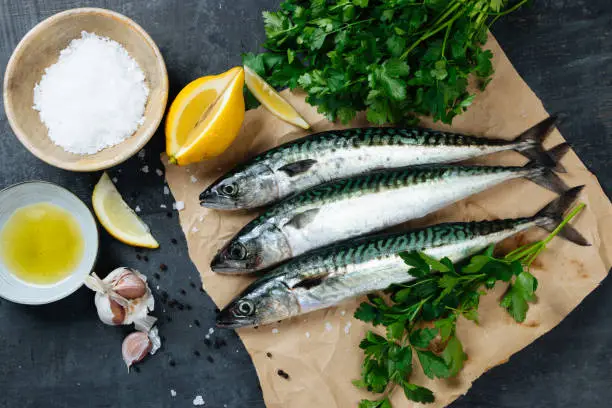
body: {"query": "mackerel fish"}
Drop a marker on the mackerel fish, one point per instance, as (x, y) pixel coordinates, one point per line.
(326, 156)
(326, 277)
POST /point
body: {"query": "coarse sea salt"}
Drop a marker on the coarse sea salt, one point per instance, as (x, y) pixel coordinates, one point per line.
(93, 97)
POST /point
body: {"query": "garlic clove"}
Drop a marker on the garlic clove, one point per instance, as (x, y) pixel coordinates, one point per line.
(109, 310)
(130, 285)
(135, 347)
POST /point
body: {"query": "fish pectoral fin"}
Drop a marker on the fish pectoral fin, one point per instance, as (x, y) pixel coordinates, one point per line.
(297, 167)
(310, 282)
(302, 219)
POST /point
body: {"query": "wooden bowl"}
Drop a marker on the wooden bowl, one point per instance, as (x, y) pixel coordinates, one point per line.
(40, 48)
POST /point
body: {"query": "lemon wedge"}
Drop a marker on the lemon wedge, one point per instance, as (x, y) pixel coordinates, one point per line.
(205, 117)
(119, 219)
(268, 97)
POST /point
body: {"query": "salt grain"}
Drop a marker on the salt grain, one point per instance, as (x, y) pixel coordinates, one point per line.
(93, 97)
(198, 401)
(115, 180)
(342, 312)
(307, 335)
(328, 326)
(162, 206)
(145, 169)
(275, 331)
(194, 229)
(166, 190)
(137, 209)
(179, 206)
(347, 328)
(173, 393)
(159, 172)
(193, 179)
(141, 154)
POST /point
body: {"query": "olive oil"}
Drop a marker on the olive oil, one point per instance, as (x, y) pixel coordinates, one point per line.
(41, 243)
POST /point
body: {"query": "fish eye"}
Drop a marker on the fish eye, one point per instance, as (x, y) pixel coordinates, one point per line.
(244, 308)
(229, 189)
(237, 251)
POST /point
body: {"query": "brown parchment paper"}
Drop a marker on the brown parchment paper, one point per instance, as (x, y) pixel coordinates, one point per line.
(320, 350)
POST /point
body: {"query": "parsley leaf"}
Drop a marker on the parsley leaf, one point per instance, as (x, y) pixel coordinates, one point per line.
(422, 337)
(433, 365)
(417, 393)
(519, 294)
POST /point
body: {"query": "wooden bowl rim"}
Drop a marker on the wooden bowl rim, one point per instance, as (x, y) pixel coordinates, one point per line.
(143, 138)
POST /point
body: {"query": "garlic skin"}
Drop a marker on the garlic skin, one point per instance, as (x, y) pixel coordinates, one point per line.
(137, 345)
(115, 302)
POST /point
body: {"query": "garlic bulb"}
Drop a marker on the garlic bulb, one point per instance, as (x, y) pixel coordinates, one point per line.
(123, 297)
(138, 344)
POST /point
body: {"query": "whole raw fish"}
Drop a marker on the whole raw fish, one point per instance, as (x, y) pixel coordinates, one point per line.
(326, 277)
(322, 157)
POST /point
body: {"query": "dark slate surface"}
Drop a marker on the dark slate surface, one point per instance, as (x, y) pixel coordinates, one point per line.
(62, 356)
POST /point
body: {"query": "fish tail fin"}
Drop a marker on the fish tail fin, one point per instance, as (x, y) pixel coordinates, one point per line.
(551, 216)
(557, 153)
(544, 175)
(529, 143)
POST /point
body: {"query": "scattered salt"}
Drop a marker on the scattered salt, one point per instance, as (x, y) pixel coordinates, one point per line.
(173, 393)
(307, 335)
(159, 172)
(342, 312)
(145, 169)
(193, 179)
(93, 97)
(211, 330)
(347, 328)
(141, 154)
(328, 326)
(201, 218)
(198, 401)
(275, 331)
(194, 229)
(157, 287)
(166, 190)
(115, 180)
(162, 206)
(179, 206)
(137, 209)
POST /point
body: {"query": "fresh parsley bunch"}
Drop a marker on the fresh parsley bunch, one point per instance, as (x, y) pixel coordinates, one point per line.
(421, 316)
(393, 58)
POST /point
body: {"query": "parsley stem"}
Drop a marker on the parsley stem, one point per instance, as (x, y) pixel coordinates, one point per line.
(448, 29)
(567, 219)
(432, 32)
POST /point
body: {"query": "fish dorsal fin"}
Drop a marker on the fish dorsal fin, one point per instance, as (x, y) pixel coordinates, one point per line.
(297, 167)
(300, 220)
(310, 282)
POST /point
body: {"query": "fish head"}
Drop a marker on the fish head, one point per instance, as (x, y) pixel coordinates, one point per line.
(261, 247)
(267, 300)
(250, 187)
